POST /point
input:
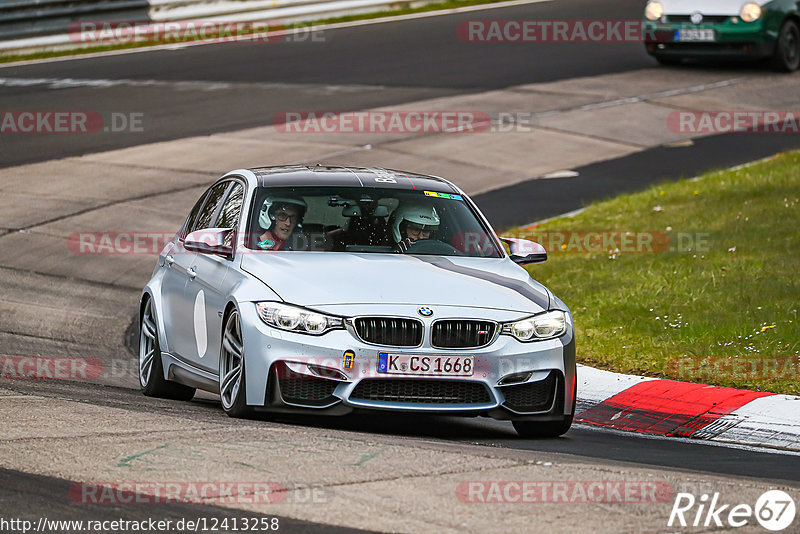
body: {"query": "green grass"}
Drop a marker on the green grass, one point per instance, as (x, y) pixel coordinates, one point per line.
(435, 6)
(725, 313)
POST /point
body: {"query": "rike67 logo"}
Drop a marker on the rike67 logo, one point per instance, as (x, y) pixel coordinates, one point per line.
(774, 510)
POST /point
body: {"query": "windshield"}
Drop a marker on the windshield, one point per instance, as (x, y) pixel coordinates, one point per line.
(359, 219)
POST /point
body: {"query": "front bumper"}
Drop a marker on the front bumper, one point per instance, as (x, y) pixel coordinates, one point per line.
(295, 372)
(731, 40)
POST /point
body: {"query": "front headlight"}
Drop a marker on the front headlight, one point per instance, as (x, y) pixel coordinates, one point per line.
(296, 319)
(750, 12)
(653, 11)
(538, 327)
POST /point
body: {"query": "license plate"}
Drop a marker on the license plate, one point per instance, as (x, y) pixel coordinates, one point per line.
(694, 35)
(424, 365)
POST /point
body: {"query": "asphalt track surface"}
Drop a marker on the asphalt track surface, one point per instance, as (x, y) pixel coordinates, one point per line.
(31, 497)
(376, 65)
(354, 68)
(606, 446)
(519, 204)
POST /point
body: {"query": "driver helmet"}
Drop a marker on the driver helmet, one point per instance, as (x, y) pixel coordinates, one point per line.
(272, 205)
(423, 217)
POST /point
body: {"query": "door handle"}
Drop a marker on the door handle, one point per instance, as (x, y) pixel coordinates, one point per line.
(192, 273)
(169, 260)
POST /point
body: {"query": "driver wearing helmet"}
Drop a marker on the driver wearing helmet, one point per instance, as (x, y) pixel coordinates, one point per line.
(280, 217)
(413, 223)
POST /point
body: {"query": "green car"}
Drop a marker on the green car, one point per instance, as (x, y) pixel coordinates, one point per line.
(729, 29)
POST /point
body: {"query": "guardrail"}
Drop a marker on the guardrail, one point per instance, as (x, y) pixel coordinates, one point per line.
(25, 18)
(28, 25)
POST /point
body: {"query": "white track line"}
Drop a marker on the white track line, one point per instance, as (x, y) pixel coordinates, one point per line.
(193, 85)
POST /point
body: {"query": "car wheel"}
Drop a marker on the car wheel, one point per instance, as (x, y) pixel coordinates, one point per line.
(787, 49)
(547, 429)
(151, 370)
(231, 369)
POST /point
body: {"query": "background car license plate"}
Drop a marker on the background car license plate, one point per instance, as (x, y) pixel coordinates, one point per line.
(694, 35)
(422, 364)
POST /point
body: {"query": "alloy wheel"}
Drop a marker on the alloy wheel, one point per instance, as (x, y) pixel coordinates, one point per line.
(147, 345)
(232, 356)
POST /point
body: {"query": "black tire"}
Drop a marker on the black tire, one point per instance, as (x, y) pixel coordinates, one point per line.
(233, 396)
(667, 61)
(151, 368)
(547, 429)
(786, 57)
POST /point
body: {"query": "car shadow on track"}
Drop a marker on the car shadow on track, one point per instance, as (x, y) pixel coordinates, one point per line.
(410, 425)
(727, 66)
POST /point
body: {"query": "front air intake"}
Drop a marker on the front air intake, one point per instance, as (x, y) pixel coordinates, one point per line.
(462, 334)
(390, 331)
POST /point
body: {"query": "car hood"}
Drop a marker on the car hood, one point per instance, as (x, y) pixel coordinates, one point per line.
(327, 278)
(715, 7)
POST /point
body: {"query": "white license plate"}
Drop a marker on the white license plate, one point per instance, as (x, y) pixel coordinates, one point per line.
(694, 35)
(425, 365)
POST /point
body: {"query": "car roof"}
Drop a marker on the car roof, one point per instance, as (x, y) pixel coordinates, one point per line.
(329, 175)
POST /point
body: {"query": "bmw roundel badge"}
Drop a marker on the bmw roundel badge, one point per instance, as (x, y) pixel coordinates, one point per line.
(425, 311)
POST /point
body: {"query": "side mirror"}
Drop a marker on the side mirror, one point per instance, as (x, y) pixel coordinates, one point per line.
(524, 252)
(209, 241)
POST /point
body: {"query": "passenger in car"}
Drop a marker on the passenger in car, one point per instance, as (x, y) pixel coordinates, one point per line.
(413, 223)
(281, 218)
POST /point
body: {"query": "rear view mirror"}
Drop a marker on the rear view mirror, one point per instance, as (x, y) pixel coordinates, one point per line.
(524, 252)
(351, 211)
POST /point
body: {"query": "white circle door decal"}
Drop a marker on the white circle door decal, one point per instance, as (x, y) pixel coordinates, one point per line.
(200, 336)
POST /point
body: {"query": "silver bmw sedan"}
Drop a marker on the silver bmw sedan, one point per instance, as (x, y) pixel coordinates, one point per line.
(330, 289)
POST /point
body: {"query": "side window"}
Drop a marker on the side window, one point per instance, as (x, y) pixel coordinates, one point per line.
(193, 214)
(229, 214)
(206, 214)
(231, 211)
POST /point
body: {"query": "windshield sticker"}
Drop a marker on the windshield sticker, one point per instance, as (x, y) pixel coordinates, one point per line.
(443, 195)
(266, 244)
(384, 176)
